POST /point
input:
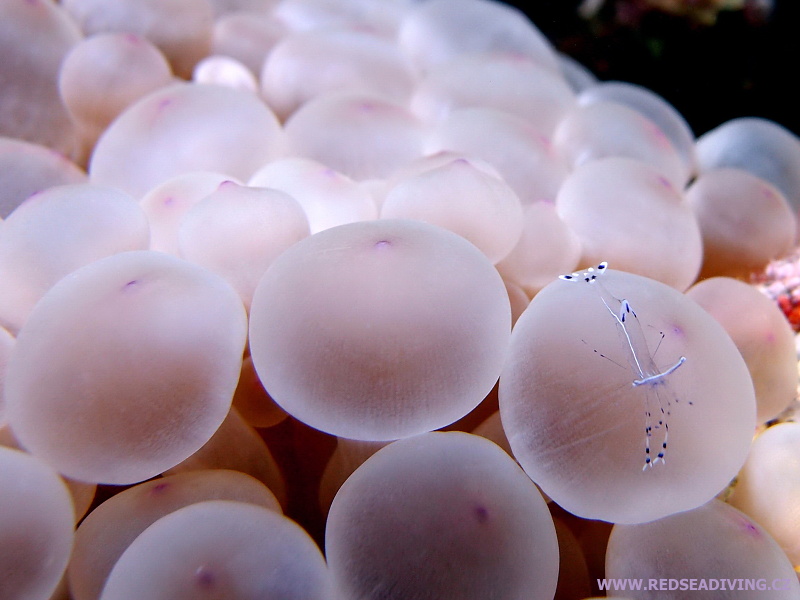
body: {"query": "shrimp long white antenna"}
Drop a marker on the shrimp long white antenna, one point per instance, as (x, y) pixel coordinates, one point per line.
(641, 361)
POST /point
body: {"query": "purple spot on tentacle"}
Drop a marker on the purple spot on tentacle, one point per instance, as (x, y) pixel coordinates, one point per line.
(205, 577)
(160, 488)
(34, 197)
(481, 514)
(383, 244)
(747, 526)
(546, 142)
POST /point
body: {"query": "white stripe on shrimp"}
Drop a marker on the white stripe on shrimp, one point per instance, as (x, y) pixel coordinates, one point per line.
(646, 372)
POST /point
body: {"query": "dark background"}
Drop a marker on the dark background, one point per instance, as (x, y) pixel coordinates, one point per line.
(744, 64)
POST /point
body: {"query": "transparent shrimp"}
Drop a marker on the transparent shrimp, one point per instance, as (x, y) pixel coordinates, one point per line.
(646, 373)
